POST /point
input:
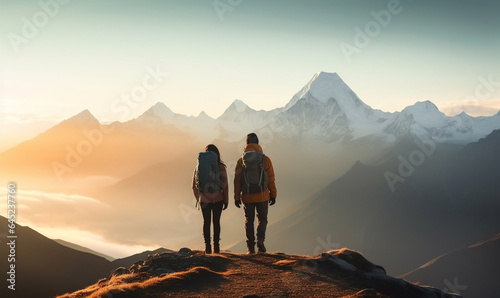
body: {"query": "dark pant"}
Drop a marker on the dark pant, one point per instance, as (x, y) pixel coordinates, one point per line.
(209, 209)
(261, 209)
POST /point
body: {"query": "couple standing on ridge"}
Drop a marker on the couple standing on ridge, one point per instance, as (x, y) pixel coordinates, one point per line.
(254, 185)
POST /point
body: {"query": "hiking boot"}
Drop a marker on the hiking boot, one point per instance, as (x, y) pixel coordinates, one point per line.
(208, 248)
(260, 246)
(251, 249)
(216, 248)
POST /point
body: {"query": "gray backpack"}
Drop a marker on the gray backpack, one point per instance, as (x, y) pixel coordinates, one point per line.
(208, 173)
(254, 176)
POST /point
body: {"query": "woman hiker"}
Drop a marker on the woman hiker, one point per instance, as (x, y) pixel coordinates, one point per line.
(210, 188)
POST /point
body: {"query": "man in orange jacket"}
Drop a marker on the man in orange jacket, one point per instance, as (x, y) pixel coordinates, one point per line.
(254, 198)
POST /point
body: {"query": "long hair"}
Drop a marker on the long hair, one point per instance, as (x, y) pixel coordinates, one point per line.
(214, 148)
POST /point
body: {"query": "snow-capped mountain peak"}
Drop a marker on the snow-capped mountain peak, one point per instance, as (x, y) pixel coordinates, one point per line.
(426, 114)
(323, 85)
(160, 110)
(422, 107)
(464, 115)
(84, 117)
(240, 106)
(235, 110)
(326, 86)
(203, 115)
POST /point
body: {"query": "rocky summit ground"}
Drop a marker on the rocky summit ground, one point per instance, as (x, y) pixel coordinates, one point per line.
(338, 273)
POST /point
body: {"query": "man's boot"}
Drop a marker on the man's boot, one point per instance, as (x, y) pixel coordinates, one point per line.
(251, 247)
(260, 246)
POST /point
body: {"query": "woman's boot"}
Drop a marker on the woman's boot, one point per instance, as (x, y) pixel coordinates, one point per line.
(208, 247)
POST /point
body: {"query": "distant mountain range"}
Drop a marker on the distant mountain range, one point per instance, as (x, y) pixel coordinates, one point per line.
(325, 120)
(327, 109)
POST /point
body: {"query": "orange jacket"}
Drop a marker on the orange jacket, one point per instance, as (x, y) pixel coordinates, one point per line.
(222, 195)
(255, 197)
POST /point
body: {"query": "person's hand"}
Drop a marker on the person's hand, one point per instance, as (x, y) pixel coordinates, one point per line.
(238, 203)
(272, 201)
(224, 206)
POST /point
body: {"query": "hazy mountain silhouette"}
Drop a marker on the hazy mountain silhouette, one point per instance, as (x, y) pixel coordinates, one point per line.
(473, 271)
(45, 268)
(80, 147)
(83, 249)
(436, 209)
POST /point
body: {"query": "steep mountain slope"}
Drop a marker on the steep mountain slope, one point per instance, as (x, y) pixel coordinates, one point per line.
(33, 159)
(83, 249)
(441, 201)
(473, 271)
(340, 273)
(45, 268)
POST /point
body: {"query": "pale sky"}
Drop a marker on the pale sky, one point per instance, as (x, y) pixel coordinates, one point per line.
(66, 56)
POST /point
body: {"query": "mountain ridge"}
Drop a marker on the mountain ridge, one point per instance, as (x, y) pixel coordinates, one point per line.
(470, 271)
(337, 273)
(327, 91)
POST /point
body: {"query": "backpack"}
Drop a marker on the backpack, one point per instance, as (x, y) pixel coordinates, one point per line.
(254, 176)
(208, 173)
